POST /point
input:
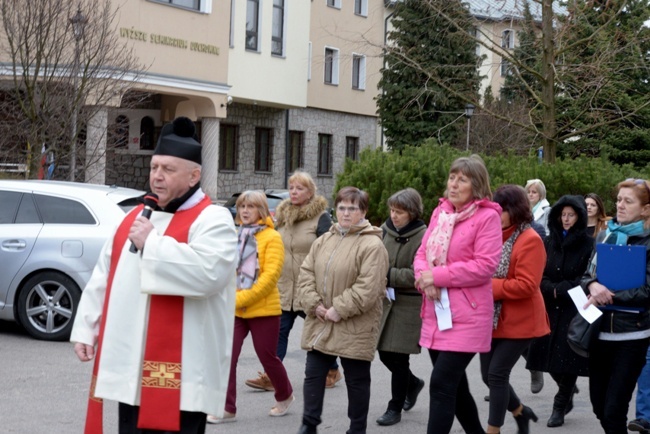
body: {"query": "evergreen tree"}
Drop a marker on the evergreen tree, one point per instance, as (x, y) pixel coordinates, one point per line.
(430, 73)
(614, 111)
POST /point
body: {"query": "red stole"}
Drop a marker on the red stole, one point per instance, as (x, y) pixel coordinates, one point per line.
(161, 379)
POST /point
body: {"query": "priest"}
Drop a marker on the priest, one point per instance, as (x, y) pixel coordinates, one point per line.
(157, 318)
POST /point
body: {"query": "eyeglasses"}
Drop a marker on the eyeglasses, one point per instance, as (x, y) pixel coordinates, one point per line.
(640, 182)
(344, 209)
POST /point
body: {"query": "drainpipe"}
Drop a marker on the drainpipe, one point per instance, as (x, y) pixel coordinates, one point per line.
(381, 141)
(287, 146)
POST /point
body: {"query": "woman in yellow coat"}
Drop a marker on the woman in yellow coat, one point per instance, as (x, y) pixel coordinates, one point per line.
(261, 257)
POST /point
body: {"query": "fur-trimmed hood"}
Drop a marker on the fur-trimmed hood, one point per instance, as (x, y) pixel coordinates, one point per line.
(286, 214)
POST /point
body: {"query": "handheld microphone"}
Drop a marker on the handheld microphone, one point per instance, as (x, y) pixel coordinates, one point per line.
(150, 202)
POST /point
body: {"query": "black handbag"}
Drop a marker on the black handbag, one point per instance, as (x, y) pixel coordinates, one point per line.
(582, 335)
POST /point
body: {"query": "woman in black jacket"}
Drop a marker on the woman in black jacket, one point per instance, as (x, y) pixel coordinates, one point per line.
(617, 357)
(568, 249)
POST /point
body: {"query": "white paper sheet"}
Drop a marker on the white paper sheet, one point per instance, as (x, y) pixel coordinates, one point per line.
(580, 299)
(443, 310)
(390, 293)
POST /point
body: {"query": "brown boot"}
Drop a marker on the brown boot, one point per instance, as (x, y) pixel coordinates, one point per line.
(263, 382)
(333, 377)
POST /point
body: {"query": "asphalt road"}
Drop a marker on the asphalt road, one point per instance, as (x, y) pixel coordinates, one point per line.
(44, 390)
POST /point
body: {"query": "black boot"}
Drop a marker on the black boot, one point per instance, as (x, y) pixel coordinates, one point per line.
(306, 429)
(523, 420)
(412, 394)
(556, 419)
(569, 404)
(391, 417)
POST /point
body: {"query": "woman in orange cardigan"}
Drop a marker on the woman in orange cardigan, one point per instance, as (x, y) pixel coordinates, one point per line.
(519, 312)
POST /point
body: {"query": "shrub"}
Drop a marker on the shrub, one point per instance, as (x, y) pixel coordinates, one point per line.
(426, 167)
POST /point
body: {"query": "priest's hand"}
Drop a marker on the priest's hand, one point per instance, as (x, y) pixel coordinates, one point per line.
(84, 352)
(140, 231)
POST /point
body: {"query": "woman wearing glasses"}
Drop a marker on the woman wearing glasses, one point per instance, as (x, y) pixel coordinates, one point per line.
(342, 282)
(617, 357)
(453, 270)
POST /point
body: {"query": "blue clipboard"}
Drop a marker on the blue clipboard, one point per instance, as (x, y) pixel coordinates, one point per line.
(621, 267)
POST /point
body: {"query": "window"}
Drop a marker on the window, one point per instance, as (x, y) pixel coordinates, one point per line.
(263, 148)
(204, 6)
(147, 131)
(252, 24)
(334, 3)
(331, 66)
(324, 154)
(507, 39)
(505, 67)
(27, 213)
(358, 72)
(120, 137)
(361, 7)
(352, 148)
(10, 201)
(296, 140)
(476, 34)
(57, 210)
(228, 146)
(278, 28)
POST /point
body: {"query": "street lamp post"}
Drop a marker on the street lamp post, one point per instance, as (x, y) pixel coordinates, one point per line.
(78, 22)
(469, 111)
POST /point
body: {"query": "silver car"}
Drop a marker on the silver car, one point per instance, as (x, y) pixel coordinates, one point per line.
(51, 233)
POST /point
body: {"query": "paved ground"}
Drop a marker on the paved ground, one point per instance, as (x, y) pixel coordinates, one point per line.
(44, 390)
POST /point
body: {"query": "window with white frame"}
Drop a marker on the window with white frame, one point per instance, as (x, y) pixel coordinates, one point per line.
(252, 24)
(204, 6)
(277, 43)
(361, 7)
(505, 67)
(334, 3)
(507, 39)
(477, 35)
(358, 72)
(331, 65)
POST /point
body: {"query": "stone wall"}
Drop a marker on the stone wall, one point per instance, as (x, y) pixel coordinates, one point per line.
(310, 121)
(128, 169)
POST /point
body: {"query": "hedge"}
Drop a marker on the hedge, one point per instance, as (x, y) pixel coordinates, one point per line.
(426, 167)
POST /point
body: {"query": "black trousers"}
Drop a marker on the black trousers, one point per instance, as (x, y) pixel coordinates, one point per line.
(495, 371)
(401, 380)
(614, 367)
(191, 422)
(449, 394)
(357, 382)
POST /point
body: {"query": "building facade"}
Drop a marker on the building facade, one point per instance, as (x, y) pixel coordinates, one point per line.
(272, 85)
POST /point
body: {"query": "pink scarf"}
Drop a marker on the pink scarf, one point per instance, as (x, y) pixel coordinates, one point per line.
(438, 242)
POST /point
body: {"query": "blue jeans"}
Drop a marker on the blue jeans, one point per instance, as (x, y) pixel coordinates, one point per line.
(643, 391)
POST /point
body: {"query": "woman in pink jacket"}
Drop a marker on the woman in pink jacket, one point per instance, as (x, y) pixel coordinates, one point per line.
(453, 269)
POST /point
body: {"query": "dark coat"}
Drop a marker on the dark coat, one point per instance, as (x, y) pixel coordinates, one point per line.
(567, 259)
(401, 322)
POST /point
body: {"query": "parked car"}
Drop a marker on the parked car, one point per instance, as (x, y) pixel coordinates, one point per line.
(273, 198)
(51, 234)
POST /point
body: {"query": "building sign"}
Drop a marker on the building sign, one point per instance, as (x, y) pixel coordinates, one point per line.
(153, 38)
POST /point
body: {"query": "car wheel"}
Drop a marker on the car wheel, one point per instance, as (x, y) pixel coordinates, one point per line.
(47, 304)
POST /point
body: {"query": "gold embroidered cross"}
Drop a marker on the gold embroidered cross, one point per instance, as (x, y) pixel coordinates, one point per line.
(162, 375)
